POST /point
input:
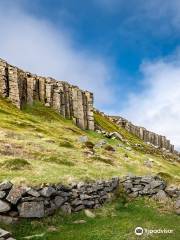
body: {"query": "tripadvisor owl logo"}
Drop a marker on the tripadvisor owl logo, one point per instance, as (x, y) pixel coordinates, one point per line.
(139, 231)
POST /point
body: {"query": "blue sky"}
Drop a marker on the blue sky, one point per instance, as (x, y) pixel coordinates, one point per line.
(125, 52)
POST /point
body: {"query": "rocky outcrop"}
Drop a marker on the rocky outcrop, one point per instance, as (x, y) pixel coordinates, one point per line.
(24, 88)
(147, 136)
(156, 140)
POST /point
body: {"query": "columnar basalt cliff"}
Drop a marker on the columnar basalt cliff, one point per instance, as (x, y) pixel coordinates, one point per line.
(24, 88)
(147, 136)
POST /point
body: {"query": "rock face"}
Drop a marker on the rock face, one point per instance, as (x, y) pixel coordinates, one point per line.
(149, 137)
(23, 88)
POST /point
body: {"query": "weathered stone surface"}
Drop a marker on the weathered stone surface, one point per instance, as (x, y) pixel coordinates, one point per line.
(31, 209)
(4, 234)
(47, 191)
(161, 196)
(59, 201)
(4, 206)
(89, 213)
(6, 185)
(8, 219)
(177, 203)
(68, 100)
(2, 194)
(15, 194)
(66, 208)
(150, 138)
(33, 193)
(156, 183)
(172, 191)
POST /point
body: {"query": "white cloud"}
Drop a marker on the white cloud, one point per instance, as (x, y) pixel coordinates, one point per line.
(157, 107)
(35, 45)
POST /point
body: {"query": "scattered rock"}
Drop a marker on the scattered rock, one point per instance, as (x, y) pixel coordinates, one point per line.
(79, 221)
(109, 148)
(128, 148)
(100, 143)
(83, 139)
(148, 164)
(116, 135)
(89, 214)
(52, 229)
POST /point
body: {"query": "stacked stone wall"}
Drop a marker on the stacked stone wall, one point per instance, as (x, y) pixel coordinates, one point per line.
(38, 202)
(24, 88)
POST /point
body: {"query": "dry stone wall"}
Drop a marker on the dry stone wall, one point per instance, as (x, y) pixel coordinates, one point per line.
(147, 136)
(38, 202)
(24, 88)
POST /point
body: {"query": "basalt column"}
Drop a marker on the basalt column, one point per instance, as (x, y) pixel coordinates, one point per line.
(4, 84)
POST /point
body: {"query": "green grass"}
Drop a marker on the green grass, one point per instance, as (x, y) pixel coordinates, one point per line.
(15, 164)
(50, 145)
(114, 221)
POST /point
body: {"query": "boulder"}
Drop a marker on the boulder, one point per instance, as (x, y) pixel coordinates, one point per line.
(89, 214)
(6, 185)
(116, 135)
(15, 194)
(4, 206)
(31, 209)
(100, 143)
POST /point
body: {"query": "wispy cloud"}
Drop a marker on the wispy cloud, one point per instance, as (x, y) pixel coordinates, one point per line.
(35, 45)
(157, 106)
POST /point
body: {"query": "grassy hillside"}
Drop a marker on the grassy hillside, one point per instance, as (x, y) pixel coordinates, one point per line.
(38, 145)
(112, 222)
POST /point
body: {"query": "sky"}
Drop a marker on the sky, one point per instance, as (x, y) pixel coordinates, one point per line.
(126, 52)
